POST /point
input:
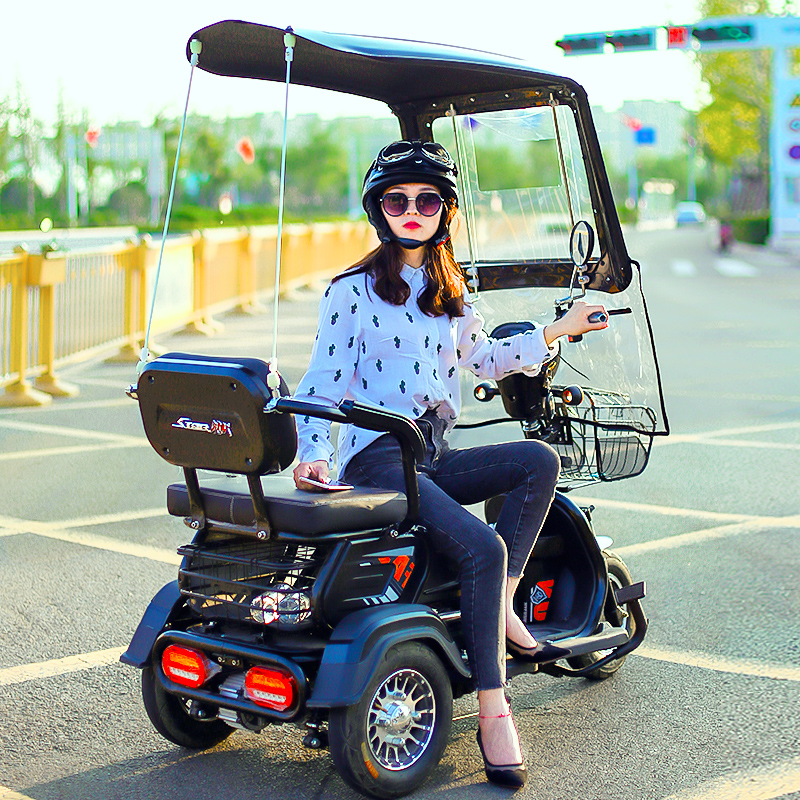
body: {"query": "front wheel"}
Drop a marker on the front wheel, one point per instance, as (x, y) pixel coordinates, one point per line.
(388, 743)
(170, 717)
(618, 576)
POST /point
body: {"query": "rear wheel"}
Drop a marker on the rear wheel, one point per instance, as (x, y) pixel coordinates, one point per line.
(388, 743)
(170, 717)
(618, 576)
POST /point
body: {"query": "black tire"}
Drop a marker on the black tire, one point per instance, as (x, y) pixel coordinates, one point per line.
(618, 576)
(413, 678)
(170, 717)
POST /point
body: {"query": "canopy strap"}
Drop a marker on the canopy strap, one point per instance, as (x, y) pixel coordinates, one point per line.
(195, 47)
(273, 379)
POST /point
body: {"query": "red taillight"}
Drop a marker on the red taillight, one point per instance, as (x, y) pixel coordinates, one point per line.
(187, 667)
(270, 688)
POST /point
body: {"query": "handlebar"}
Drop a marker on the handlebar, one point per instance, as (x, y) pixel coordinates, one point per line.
(405, 430)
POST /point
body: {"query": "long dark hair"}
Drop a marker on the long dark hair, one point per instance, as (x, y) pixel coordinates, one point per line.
(444, 292)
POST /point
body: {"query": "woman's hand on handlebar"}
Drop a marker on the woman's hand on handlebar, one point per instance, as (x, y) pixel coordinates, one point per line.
(315, 470)
(575, 322)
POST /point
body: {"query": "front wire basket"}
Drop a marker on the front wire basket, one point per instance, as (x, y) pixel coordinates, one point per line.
(603, 439)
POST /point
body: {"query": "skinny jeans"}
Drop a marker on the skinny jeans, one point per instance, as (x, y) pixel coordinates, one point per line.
(449, 478)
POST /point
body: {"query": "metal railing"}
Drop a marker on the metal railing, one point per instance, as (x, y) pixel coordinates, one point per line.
(61, 307)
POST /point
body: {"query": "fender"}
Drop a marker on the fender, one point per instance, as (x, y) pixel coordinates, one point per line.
(160, 610)
(361, 639)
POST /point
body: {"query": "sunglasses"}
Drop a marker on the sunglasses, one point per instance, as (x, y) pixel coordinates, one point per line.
(396, 203)
(402, 151)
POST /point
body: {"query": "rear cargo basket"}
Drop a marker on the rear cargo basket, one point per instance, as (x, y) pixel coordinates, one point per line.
(232, 579)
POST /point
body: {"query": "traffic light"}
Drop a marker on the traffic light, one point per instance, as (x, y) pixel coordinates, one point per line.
(678, 36)
(582, 45)
(626, 41)
(723, 33)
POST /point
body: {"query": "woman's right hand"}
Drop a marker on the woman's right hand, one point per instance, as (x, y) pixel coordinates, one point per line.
(316, 470)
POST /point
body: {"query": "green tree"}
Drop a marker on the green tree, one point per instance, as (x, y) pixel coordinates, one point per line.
(733, 129)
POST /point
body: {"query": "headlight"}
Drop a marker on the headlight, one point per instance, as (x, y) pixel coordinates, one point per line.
(283, 604)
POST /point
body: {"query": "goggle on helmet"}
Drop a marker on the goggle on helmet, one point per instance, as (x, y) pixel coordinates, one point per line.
(409, 162)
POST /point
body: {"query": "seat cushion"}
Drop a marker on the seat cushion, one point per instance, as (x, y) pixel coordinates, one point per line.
(227, 499)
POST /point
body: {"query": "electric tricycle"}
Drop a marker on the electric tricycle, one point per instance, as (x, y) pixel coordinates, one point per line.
(327, 609)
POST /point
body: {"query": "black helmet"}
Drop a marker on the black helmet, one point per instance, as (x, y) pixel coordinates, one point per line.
(409, 162)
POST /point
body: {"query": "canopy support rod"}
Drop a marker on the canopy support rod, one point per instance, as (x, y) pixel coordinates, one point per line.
(289, 40)
(195, 47)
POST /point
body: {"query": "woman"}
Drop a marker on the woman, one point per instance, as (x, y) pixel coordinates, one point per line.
(393, 330)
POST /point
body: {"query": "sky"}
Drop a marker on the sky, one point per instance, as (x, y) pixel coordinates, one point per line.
(125, 61)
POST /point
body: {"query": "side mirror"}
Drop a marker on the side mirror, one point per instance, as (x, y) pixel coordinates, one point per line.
(581, 243)
(485, 391)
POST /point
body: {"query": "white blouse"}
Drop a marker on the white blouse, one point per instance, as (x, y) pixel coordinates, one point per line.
(399, 358)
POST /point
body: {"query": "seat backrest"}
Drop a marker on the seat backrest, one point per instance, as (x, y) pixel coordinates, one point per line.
(207, 412)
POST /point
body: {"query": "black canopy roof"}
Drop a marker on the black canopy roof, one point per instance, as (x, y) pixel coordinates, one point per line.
(395, 71)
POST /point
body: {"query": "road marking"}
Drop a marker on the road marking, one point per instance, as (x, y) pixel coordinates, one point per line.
(736, 666)
(60, 532)
(66, 451)
(712, 437)
(743, 443)
(8, 794)
(74, 433)
(669, 511)
(684, 267)
(758, 397)
(70, 406)
(109, 441)
(734, 268)
(764, 783)
(736, 524)
(60, 666)
(708, 534)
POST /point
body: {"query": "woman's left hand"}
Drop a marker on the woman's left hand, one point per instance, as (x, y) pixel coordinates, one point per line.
(575, 322)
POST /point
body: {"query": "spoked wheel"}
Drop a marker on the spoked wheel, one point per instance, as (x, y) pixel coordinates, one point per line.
(387, 744)
(618, 576)
(170, 717)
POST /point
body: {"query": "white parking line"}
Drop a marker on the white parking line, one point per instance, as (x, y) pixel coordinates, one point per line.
(668, 511)
(708, 534)
(59, 666)
(765, 783)
(50, 452)
(736, 666)
(736, 524)
(722, 435)
(734, 268)
(8, 794)
(60, 532)
(684, 267)
(73, 433)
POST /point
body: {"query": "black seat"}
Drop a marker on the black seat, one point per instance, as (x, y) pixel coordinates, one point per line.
(228, 500)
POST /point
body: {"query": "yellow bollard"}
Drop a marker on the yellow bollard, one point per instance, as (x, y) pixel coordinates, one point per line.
(202, 321)
(46, 272)
(135, 303)
(20, 393)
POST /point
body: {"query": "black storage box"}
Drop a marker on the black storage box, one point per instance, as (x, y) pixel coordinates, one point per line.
(207, 412)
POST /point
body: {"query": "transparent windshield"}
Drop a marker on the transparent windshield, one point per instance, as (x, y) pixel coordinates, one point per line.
(523, 183)
(618, 361)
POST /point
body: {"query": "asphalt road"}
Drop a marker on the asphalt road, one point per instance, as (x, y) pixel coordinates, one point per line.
(707, 708)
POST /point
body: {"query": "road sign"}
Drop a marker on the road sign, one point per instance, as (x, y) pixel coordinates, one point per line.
(646, 136)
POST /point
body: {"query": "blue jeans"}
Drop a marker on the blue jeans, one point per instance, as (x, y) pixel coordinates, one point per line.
(527, 471)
